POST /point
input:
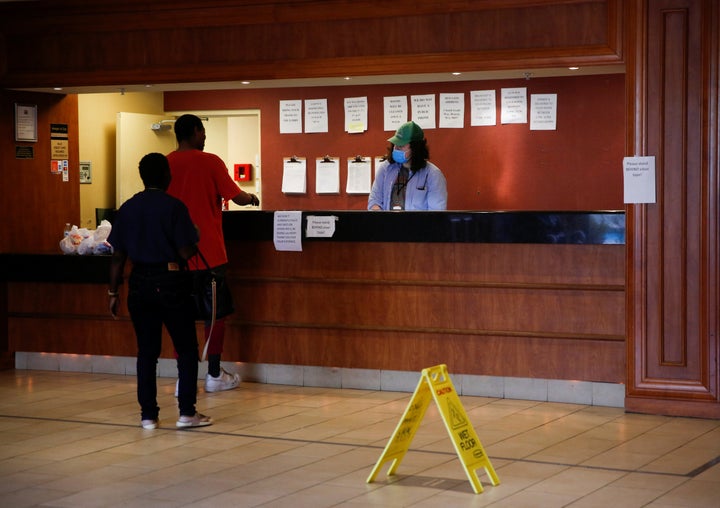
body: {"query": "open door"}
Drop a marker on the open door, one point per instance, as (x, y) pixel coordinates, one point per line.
(137, 135)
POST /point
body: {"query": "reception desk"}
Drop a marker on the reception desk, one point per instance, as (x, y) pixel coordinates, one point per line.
(515, 294)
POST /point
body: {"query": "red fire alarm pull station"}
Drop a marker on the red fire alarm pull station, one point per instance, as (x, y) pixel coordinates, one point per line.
(242, 172)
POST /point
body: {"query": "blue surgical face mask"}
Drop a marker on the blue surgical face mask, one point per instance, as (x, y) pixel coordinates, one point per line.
(399, 156)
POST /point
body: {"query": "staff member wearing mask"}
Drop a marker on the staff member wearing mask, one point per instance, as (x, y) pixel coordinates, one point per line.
(407, 180)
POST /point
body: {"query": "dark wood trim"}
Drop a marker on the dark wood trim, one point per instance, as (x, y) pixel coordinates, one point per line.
(672, 245)
(273, 39)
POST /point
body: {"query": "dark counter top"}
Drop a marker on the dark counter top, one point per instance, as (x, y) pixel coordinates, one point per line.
(54, 268)
(473, 227)
(362, 226)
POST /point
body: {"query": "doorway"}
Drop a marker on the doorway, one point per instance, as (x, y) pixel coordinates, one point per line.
(234, 136)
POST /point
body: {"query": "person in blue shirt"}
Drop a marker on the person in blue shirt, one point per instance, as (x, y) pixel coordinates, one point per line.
(154, 230)
(407, 180)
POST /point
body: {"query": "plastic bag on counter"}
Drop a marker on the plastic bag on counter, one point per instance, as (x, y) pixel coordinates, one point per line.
(102, 232)
(72, 240)
(83, 241)
(101, 245)
(86, 246)
(96, 242)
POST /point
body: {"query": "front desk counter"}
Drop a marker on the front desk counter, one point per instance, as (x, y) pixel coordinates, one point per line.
(520, 294)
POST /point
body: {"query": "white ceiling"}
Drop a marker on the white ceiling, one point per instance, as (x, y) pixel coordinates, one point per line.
(335, 81)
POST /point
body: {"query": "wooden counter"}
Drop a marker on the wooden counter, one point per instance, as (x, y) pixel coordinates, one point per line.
(492, 296)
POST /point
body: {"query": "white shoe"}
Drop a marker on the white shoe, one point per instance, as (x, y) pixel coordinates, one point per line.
(225, 381)
(149, 424)
(197, 420)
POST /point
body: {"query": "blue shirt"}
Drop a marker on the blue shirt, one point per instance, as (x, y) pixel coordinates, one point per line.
(426, 188)
(151, 227)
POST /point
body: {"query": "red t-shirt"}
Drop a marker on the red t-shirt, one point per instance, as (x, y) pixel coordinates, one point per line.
(201, 181)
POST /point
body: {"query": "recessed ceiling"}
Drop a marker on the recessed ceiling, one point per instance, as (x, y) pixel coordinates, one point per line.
(338, 81)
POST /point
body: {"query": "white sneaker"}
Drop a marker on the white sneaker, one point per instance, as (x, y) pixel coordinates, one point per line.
(149, 424)
(225, 381)
(197, 420)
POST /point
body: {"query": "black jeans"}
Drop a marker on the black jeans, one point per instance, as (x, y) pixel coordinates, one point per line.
(155, 299)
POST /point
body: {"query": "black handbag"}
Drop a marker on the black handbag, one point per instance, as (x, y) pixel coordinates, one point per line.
(211, 292)
(212, 296)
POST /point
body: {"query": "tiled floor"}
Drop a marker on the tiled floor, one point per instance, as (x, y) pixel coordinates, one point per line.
(74, 440)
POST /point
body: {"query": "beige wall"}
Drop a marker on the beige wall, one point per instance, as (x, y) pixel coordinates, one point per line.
(96, 117)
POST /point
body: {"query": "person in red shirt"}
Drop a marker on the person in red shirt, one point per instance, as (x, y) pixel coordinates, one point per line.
(201, 181)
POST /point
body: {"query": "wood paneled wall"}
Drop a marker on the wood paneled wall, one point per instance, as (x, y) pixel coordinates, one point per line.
(525, 310)
(173, 41)
(37, 203)
(672, 244)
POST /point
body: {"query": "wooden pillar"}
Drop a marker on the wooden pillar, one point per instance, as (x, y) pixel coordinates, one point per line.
(672, 245)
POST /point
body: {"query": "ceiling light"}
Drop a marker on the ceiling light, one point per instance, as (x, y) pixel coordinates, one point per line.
(573, 68)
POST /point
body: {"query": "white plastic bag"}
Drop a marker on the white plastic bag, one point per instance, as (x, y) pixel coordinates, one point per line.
(102, 232)
(83, 241)
(100, 236)
(70, 243)
(86, 246)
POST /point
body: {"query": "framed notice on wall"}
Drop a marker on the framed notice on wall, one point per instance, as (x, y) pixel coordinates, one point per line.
(25, 122)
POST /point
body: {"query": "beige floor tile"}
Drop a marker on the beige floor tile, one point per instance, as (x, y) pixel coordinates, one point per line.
(711, 474)
(693, 493)
(617, 497)
(576, 482)
(73, 439)
(528, 499)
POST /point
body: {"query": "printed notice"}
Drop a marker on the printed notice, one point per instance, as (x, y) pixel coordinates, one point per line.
(294, 179)
(513, 105)
(25, 122)
(543, 112)
(396, 112)
(59, 144)
(287, 233)
(483, 109)
(320, 226)
(452, 110)
(316, 115)
(423, 110)
(356, 115)
(639, 179)
(291, 117)
(358, 171)
(327, 175)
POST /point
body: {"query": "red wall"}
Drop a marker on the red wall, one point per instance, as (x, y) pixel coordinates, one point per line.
(502, 167)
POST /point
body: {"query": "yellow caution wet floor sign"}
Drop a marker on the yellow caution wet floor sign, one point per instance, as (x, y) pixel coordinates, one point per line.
(435, 384)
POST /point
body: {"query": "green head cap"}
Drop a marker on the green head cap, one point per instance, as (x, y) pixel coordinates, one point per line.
(406, 133)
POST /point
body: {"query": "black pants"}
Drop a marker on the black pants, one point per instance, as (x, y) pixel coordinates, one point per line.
(156, 299)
